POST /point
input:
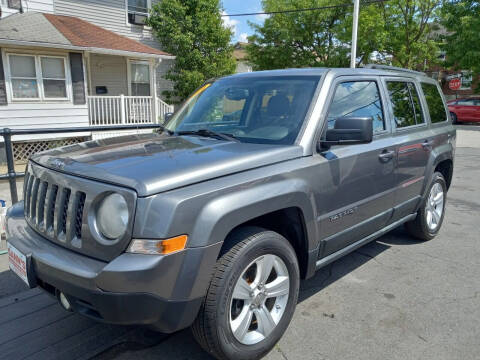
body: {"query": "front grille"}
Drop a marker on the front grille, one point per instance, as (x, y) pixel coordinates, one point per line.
(56, 207)
(54, 210)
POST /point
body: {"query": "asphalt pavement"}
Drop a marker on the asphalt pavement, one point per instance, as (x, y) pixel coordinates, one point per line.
(394, 298)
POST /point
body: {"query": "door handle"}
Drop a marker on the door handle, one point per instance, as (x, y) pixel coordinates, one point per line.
(386, 156)
(427, 144)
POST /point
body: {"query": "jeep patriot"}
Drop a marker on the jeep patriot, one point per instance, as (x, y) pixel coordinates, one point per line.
(257, 181)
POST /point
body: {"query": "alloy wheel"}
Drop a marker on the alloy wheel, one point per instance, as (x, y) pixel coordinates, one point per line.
(259, 299)
(434, 208)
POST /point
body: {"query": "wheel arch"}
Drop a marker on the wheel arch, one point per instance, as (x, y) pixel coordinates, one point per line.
(275, 207)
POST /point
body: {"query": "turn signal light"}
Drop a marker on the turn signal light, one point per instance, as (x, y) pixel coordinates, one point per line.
(158, 247)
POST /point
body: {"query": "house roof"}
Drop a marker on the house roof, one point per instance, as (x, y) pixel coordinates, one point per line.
(59, 31)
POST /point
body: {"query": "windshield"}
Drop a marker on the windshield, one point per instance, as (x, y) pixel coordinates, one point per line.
(265, 110)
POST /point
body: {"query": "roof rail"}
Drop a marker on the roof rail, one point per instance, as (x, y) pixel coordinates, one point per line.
(393, 68)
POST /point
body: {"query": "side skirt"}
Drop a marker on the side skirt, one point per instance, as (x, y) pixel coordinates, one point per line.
(352, 247)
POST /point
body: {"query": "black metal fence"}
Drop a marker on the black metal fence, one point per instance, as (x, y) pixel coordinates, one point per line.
(7, 134)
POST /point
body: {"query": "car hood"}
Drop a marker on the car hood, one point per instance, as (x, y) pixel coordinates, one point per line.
(153, 163)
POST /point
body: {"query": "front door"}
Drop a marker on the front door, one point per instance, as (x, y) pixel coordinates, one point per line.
(356, 196)
(413, 141)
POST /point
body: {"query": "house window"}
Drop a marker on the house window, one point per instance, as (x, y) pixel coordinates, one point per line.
(138, 11)
(37, 77)
(140, 78)
(23, 77)
(54, 79)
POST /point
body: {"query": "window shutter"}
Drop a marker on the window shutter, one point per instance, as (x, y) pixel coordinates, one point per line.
(3, 88)
(15, 4)
(78, 82)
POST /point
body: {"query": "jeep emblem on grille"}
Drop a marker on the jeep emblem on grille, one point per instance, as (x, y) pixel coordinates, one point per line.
(58, 163)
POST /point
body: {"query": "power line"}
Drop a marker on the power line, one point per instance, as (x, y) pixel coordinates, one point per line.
(305, 9)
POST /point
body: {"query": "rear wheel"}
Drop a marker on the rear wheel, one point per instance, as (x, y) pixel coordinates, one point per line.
(430, 216)
(454, 118)
(251, 298)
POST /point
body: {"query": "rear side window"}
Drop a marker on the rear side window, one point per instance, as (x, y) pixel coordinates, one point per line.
(466, 102)
(406, 104)
(435, 103)
(357, 99)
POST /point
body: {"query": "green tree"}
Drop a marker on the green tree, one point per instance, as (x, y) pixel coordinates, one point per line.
(194, 32)
(397, 30)
(462, 42)
(298, 39)
(409, 25)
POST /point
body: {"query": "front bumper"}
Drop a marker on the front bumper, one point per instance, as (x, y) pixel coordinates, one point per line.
(163, 291)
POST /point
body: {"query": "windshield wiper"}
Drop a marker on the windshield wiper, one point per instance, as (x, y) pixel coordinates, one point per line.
(209, 133)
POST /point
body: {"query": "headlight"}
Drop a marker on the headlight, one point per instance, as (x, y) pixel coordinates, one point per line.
(112, 216)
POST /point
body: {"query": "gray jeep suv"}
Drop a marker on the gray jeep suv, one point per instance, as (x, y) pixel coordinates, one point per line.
(257, 181)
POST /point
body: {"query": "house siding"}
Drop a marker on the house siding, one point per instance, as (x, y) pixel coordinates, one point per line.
(109, 14)
(43, 115)
(109, 71)
(45, 6)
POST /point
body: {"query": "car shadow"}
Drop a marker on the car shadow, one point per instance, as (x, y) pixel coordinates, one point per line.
(10, 284)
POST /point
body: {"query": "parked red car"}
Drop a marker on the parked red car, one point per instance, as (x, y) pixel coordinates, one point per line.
(465, 110)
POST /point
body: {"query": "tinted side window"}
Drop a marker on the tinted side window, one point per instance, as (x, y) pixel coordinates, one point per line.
(357, 99)
(435, 103)
(406, 104)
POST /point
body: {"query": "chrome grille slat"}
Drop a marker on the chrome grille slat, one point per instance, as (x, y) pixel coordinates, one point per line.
(40, 209)
(25, 182)
(27, 196)
(79, 214)
(61, 211)
(33, 199)
(50, 208)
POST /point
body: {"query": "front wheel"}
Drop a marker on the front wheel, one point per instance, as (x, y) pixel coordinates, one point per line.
(251, 298)
(430, 216)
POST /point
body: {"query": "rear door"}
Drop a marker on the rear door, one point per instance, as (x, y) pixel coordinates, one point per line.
(413, 141)
(355, 198)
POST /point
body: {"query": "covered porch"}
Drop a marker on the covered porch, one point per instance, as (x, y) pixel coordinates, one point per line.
(123, 90)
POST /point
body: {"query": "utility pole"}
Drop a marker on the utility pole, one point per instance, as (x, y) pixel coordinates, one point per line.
(356, 11)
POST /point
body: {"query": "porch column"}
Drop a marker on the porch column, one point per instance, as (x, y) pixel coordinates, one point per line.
(153, 84)
(88, 68)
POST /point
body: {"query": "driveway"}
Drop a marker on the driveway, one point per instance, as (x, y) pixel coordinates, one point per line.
(394, 298)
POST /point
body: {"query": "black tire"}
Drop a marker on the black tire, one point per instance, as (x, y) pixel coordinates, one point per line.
(211, 328)
(418, 227)
(454, 118)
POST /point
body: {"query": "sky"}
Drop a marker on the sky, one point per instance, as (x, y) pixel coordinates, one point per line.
(240, 25)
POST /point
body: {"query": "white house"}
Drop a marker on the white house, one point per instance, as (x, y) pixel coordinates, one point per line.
(68, 63)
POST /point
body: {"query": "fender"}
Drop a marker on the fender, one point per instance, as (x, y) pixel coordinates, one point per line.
(224, 213)
(207, 212)
(440, 153)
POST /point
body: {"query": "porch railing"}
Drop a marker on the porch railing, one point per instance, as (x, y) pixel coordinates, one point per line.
(126, 110)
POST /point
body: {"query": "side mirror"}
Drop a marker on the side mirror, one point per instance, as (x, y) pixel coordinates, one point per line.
(167, 117)
(349, 131)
